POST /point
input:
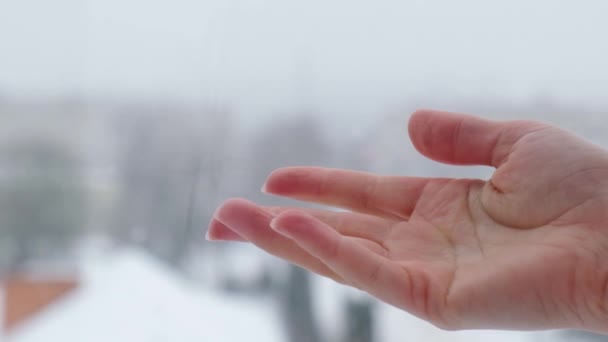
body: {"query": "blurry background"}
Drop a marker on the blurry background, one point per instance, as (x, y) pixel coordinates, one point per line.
(124, 124)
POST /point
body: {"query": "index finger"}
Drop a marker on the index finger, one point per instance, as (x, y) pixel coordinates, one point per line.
(392, 197)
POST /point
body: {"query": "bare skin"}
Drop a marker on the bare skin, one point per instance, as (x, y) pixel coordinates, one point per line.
(525, 250)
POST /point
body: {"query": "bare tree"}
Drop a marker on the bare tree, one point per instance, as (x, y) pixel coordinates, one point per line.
(295, 140)
(359, 321)
(42, 198)
(170, 169)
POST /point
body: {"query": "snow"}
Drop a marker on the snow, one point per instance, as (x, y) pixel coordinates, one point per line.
(128, 296)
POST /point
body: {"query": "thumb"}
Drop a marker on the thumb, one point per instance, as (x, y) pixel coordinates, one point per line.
(463, 139)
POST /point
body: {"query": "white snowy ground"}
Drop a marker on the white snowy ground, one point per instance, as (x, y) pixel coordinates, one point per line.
(130, 297)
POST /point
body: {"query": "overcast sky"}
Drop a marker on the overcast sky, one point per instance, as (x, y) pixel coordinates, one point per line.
(344, 57)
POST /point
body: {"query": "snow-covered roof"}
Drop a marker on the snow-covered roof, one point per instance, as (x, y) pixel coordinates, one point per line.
(129, 296)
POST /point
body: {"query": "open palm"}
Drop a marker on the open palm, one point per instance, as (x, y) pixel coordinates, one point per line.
(526, 249)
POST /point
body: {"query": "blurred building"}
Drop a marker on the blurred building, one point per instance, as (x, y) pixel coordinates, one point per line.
(130, 296)
(26, 295)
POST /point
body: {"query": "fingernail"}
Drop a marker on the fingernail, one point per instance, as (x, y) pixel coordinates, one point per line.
(280, 229)
(208, 235)
(275, 226)
(264, 191)
(216, 213)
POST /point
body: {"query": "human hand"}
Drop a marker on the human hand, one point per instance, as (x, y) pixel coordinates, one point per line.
(527, 249)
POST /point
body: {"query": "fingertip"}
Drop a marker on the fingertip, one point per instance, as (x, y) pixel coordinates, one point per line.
(420, 114)
(309, 233)
(290, 220)
(230, 207)
(218, 231)
(212, 230)
(296, 224)
(270, 184)
(227, 222)
(210, 233)
(287, 180)
(418, 127)
(289, 214)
